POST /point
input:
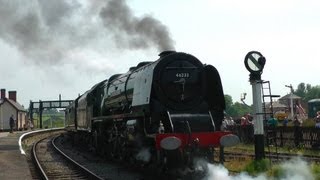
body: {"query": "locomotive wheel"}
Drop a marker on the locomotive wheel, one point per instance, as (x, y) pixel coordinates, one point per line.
(114, 148)
(161, 162)
(101, 148)
(95, 140)
(100, 141)
(122, 152)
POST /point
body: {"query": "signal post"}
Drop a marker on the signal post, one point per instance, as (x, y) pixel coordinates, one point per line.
(254, 62)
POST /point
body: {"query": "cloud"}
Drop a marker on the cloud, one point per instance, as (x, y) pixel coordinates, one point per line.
(46, 31)
(58, 42)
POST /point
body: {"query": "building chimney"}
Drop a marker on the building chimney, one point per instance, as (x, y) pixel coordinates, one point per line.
(13, 95)
(3, 93)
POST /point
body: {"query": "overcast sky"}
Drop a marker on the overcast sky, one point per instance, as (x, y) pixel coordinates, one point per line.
(64, 47)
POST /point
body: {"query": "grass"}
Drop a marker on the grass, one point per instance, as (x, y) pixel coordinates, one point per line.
(237, 166)
(274, 171)
(249, 148)
(315, 168)
(240, 148)
(256, 167)
(49, 120)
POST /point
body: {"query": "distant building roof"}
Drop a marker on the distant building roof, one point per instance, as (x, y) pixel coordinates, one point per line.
(277, 104)
(13, 103)
(288, 96)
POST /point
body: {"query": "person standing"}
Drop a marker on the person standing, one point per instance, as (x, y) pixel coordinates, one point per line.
(272, 122)
(271, 130)
(285, 121)
(316, 145)
(317, 119)
(31, 124)
(12, 124)
(224, 124)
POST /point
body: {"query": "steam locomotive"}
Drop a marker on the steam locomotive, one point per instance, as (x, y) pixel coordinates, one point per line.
(164, 113)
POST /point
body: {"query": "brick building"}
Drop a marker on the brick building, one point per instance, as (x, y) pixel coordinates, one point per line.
(9, 106)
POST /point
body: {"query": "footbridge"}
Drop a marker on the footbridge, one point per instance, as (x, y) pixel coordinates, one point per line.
(39, 106)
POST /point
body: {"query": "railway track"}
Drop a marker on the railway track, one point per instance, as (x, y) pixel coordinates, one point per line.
(52, 163)
(56, 166)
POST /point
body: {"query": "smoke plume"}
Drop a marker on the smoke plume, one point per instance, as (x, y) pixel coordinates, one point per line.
(144, 155)
(294, 169)
(136, 33)
(57, 32)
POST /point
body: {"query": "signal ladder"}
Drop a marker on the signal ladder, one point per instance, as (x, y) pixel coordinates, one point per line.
(270, 133)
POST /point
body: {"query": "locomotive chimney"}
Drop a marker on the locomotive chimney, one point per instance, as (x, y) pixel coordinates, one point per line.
(13, 95)
(3, 93)
(165, 53)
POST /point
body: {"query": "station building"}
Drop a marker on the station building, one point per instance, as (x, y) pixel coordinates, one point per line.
(282, 107)
(9, 106)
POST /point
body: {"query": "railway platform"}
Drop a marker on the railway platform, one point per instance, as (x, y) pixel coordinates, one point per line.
(13, 164)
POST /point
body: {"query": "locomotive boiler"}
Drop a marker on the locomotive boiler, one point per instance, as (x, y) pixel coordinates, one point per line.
(164, 113)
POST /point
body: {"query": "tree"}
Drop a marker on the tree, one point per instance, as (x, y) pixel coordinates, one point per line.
(313, 93)
(307, 92)
(301, 90)
(236, 109)
(241, 109)
(228, 100)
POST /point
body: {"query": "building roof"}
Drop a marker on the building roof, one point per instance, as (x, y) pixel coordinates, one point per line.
(288, 96)
(276, 104)
(314, 100)
(16, 105)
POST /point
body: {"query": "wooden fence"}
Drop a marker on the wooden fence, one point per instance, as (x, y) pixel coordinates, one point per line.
(308, 137)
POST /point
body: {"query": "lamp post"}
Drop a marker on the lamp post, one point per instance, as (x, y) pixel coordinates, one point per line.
(254, 62)
(243, 97)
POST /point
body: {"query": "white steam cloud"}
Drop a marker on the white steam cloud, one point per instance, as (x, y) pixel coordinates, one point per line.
(144, 155)
(295, 169)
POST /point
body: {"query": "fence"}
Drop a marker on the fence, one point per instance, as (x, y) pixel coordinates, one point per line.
(308, 137)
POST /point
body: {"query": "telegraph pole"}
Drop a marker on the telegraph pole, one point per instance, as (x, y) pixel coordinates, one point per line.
(291, 99)
(254, 62)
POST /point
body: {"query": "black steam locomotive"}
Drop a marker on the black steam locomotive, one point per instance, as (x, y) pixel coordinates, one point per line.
(163, 113)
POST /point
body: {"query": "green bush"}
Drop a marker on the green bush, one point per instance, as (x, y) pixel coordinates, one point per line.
(308, 123)
(315, 168)
(277, 172)
(257, 166)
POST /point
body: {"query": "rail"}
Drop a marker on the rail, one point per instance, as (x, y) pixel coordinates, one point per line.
(32, 133)
(46, 162)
